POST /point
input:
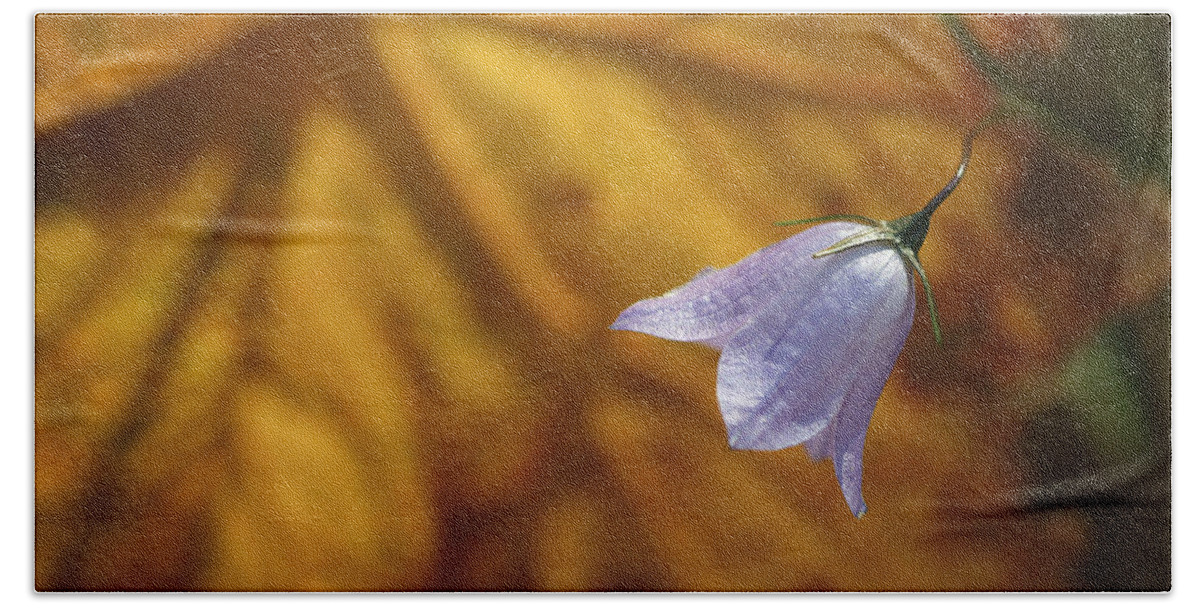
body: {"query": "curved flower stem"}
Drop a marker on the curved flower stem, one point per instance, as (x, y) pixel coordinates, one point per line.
(969, 139)
(910, 230)
(907, 233)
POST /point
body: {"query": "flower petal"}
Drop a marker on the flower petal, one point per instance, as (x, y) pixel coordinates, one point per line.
(716, 303)
(847, 433)
(870, 376)
(783, 376)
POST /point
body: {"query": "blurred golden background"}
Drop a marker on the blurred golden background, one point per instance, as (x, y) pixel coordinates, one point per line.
(322, 301)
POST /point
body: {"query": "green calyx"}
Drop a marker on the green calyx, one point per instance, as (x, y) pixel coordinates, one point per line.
(905, 234)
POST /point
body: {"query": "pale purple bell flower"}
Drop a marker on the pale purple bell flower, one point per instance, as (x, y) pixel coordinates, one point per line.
(806, 343)
(809, 329)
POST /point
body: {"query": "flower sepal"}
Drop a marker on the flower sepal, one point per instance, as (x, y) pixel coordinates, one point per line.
(905, 234)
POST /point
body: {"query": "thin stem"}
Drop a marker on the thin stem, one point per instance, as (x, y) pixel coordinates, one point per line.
(934, 202)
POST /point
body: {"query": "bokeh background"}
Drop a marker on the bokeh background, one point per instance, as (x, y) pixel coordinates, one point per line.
(322, 301)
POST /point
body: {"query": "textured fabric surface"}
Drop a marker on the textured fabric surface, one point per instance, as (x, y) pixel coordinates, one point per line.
(323, 302)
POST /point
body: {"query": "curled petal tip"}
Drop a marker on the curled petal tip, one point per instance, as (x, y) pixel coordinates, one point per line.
(735, 434)
(633, 318)
(737, 442)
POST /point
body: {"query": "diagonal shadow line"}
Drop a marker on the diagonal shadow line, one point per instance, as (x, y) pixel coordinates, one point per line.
(723, 88)
(102, 502)
(411, 169)
(393, 132)
(109, 163)
(110, 156)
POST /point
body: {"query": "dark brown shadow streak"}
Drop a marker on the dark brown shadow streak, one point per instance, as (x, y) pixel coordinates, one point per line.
(263, 128)
(558, 364)
(108, 163)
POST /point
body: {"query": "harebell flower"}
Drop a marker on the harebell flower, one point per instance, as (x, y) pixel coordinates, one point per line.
(809, 329)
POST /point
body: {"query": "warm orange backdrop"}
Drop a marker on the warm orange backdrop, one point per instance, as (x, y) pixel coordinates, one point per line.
(322, 302)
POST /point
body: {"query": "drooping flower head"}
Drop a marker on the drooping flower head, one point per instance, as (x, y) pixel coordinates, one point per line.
(809, 329)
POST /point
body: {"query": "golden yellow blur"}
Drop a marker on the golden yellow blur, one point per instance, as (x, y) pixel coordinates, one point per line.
(322, 303)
